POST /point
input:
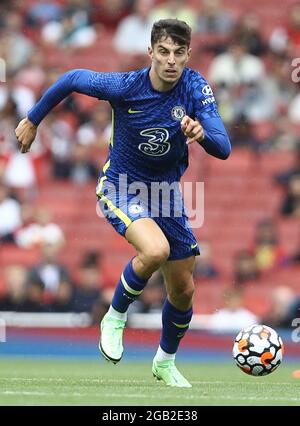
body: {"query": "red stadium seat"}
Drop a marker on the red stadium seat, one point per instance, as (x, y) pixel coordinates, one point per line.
(12, 255)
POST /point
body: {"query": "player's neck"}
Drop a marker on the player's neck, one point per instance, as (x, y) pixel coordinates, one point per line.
(158, 84)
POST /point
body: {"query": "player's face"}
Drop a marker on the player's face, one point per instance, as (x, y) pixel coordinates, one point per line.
(168, 61)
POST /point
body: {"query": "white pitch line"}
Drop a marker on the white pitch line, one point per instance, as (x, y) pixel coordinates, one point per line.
(24, 393)
(137, 381)
(196, 397)
(181, 397)
(52, 379)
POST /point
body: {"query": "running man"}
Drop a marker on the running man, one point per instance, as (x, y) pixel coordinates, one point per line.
(157, 112)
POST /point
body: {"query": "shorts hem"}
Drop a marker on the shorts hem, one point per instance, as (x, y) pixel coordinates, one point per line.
(184, 256)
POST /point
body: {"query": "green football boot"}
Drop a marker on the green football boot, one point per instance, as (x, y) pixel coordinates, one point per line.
(110, 343)
(168, 373)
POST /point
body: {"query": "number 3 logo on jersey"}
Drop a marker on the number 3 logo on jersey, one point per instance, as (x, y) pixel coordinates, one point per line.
(157, 143)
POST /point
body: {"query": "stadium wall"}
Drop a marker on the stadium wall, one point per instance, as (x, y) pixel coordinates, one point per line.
(197, 346)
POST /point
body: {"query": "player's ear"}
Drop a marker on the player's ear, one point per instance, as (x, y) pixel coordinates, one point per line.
(189, 52)
(150, 52)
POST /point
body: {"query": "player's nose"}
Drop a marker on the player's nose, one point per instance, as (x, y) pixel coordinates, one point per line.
(171, 59)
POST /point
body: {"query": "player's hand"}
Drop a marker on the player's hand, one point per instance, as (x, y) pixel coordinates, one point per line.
(192, 129)
(26, 133)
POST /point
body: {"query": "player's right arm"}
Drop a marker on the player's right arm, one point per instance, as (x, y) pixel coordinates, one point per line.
(106, 86)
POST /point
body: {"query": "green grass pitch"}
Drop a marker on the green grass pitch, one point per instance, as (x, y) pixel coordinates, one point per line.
(88, 382)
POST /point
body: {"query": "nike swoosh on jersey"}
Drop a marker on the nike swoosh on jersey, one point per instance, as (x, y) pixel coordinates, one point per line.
(132, 111)
(194, 246)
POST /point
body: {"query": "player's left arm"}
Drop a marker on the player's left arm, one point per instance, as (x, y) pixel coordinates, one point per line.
(206, 127)
(212, 135)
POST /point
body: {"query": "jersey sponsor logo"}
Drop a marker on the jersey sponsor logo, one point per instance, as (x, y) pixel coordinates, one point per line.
(178, 112)
(208, 101)
(207, 90)
(132, 111)
(158, 142)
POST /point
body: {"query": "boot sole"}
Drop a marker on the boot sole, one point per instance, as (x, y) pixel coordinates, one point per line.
(107, 357)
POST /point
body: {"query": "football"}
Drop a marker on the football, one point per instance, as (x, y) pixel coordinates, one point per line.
(258, 350)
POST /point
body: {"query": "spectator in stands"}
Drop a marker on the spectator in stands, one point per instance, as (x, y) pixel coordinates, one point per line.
(255, 102)
(97, 130)
(17, 171)
(60, 140)
(74, 29)
(296, 257)
(15, 47)
(291, 203)
(286, 38)
(293, 109)
(285, 177)
(213, 18)
(34, 301)
(283, 309)
(280, 84)
(33, 75)
(233, 317)
(109, 13)
(247, 30)
(242, 134)
(38, 14)
(81, 168)
(40, 232)
(88, 294)
(21, 295)
(236, 67)
(5, 5)
(284, 138)
(8, 116)
(245, 268)
(268, 251)
(175, 9)
(293, 312)
(132, 35)
(49, 271)
(63, 298)
(10, 214)
(238, 78)
(15, 288)
(204, 267)
(20, 173)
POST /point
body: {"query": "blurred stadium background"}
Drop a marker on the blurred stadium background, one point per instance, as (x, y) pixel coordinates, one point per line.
(59, 261)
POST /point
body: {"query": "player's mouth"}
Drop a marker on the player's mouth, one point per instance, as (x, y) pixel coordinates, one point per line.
(171, 72)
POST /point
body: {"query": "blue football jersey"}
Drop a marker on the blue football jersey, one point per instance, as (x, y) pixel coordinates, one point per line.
(147, 142)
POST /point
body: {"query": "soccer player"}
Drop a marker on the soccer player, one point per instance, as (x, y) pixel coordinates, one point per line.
(157, 112)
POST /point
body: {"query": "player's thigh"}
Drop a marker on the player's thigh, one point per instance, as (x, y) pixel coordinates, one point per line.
(178, 275)
(147, 238)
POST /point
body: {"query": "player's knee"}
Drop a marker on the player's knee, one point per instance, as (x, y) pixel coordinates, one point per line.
(188, 294)
(182, 298)
(156, 254)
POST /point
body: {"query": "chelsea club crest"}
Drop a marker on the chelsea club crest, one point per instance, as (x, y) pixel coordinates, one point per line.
(178, 112)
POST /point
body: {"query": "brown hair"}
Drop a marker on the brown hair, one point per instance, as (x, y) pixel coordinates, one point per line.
(177, 30)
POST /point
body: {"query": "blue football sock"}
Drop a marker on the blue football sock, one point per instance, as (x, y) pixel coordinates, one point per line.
(174, 325)
(129, 287)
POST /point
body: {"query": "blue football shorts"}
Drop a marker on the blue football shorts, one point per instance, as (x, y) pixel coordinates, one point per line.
(121, 211)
